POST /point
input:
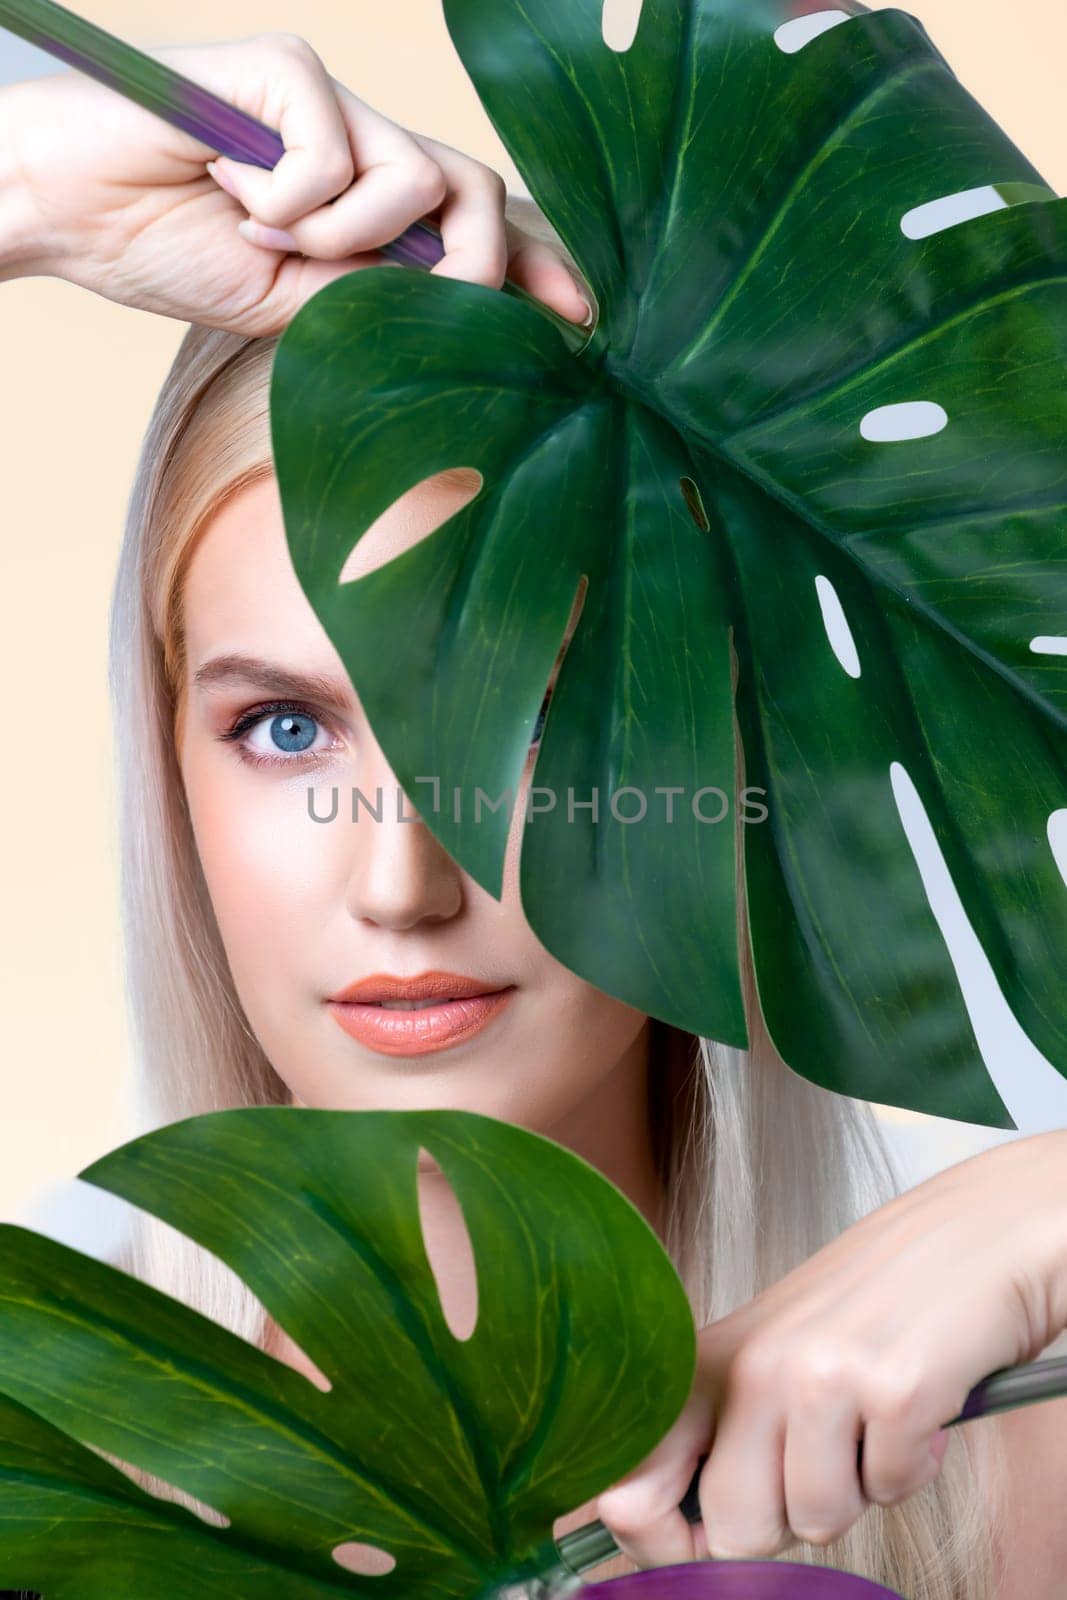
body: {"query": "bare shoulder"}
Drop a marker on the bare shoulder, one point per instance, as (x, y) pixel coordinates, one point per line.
(1032, 1537)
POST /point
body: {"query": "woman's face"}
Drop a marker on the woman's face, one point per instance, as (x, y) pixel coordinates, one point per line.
(309, 907)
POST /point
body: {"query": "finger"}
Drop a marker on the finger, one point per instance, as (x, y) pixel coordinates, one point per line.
(641, 1513)
(471, 218)
(901, 1421)
(742, 1488)
(641, 1510)
(317, 163)
(397, 184)
(538, 269)
(823, 1492)
(897, 1462)
(649, 1531)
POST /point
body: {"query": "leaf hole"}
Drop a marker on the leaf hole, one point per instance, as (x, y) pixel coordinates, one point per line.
(934, 216)
(1057, 838)
(278, 1344)
(162, 1488)
(448, 1248)
(691, 496)
(838, 631)
(577, 604)
(369, 1560)
(908, 419)
(417, 513)
(1049, 644)
(1023, 1078)
(618, 23)
(794, 35)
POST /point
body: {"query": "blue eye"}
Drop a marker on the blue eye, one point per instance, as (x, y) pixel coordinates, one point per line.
(291, 730)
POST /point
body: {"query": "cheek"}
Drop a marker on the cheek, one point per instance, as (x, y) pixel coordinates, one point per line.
(267, 865)
(578, 1033)
(576, 1056)
(599, 1029)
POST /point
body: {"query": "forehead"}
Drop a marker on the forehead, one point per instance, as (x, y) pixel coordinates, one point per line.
(240, 590)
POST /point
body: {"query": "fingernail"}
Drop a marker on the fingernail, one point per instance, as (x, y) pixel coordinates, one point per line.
(589, 312)
(269, 238)
(222, 178)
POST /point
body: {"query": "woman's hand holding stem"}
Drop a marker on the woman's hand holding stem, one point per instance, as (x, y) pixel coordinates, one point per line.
(880, 1335)
(99, 191)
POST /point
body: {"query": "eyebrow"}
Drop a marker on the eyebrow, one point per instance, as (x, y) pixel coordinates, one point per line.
(230, 669)
(222, 671)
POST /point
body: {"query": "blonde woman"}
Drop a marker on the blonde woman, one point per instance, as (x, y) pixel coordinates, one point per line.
(830, 1305)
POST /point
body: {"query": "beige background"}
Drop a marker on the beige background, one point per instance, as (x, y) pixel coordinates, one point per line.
(79, 378)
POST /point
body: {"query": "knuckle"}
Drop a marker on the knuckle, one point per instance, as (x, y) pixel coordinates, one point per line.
(270, 211)
(273, 210)
(294, 44)
(427, 182)
(624, 1509)
(493, 181)
(817, 1371)
(336, 167)
(756, 1367)
(895, 1393)
(1030, 1300)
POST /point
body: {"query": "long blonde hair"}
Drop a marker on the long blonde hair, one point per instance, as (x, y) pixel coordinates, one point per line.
(761, 1168)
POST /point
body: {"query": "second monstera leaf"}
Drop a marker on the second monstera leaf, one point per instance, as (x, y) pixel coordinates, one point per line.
(721, 467)
(452, 1456)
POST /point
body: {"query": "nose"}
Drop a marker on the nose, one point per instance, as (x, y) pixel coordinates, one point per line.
(401, 876)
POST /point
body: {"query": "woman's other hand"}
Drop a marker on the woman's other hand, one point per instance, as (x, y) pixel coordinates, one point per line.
(880, 1335)
(123, 203)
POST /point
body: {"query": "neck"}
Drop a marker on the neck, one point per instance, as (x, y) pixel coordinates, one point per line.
(610, 1129)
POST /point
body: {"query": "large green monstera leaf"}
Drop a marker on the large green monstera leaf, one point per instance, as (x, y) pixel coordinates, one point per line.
(454, 1456)
(814, 429)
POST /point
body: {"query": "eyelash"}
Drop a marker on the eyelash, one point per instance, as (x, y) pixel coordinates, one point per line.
(248, 720)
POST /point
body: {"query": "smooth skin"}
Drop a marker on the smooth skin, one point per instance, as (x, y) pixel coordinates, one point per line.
(885, 1329)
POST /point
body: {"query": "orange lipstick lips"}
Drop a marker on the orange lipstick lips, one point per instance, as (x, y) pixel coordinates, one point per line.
(415, 1016)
